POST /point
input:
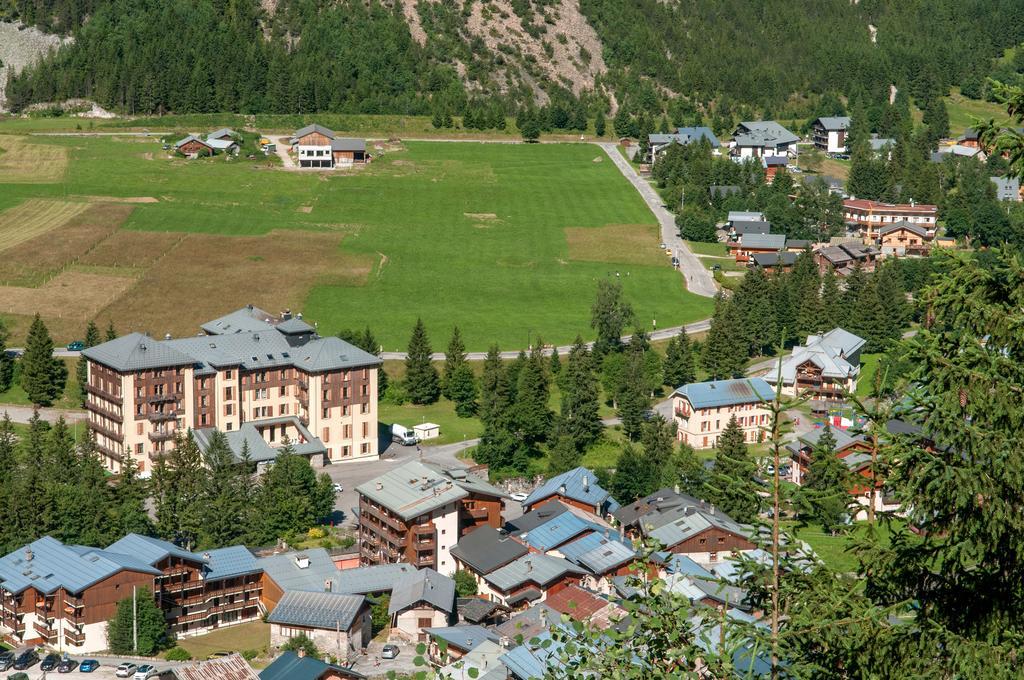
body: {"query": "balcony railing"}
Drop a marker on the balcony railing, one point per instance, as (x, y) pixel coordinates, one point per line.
(161, 435)
(158, 398)
(74, 637)
(103, 411)
(102, 394)
(161, 416)
(45, 629)
(104, 430)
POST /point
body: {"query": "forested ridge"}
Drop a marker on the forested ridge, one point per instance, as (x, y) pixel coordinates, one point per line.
(734, 58)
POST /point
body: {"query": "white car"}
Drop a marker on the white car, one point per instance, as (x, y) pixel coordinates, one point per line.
(338, 488)
(518, 497)
(126, 670)
(145, 672)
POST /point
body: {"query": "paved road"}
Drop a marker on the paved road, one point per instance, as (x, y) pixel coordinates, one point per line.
(22, 414)
(698, 278)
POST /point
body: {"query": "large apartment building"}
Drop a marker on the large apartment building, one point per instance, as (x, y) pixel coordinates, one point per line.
(63, 595)
(870, 216)
(416, 513)
(259, 378)
(702, 410)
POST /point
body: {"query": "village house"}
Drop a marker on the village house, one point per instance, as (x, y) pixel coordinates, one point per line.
(338, 623)
(486, 549)
(319, 147)
(459, 641)
(844, 257)
(772, 166)
(420, 600)
(417, 513)
(702, 410)
(749, 244)
(829, 133)
(658, 143)
(881, 147)
(580, 604)
(270, 380)
(756, 139)
(223, 134)
(483, 662)
(219, 141)
(736, 216)
(903, 238)
(311, 570)
(230, 667)
(826, 368)
(1008, 189)
(297, 666)
(869, 216)
(530, 578)
(703, 534)
(578, 488)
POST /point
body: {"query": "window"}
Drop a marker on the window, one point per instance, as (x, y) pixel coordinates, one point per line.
(364, 408)
(228, 375)
(721, 539)
(327, 395)
(364, 448)
(326, 434)
(703, 541)
(346, 432)
(229, 393)
(229, 427)
(344, 393)
(424, 622)
(327, 412)
(283, 409)
(344, 410)
(138, 428)
(138, 448)
(364, 390)
(346, 451)
(229, 409)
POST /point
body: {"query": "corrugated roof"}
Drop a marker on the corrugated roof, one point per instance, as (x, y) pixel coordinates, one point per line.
(234, 560)
(47, 564)
(326, 132)
(412, 490)
(557, 531)
(151, 550)
(485, 549)
(291, 666)
(323, 610)
(425, 585)
(580, 484)
(533, 568)
(348, 144)
(283, 570)
(597, 553)
(756, 240)
(463, 637)
(376, 579)
(232, 667)
(718, 393)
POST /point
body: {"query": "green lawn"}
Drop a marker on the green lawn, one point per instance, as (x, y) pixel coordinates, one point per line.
(700, 248)
(963, 112)
(243, 637)
(833, 550)
(16, 396)
(455, 233)
(453, 428)
(868, 368)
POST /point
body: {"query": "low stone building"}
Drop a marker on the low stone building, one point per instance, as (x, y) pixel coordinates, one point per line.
(338, 623)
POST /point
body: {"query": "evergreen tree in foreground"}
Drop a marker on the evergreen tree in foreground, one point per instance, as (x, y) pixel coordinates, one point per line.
(609, 316)
(454, 357)
(732, 486)
(42, 375)
(579, 417)
(92, 338)
(633, 397)
(421, 381)
(153, 635)
(679, 366)
(291, 497)
(6, 362)
(825, 492)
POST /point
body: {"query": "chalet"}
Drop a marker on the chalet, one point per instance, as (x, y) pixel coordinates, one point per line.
(826, 368)
(904, 238)
(603, 555)
(223, 134)
(339, 623)
(376, 579)
(459, 641)
(231, 667)
(957, 151)
(578, 488)
(738, 229)
(783, 261)
(629, 516)
(487, 549)
(480, 611)
(744, 216)
(844, 257)
(193, 147)
(1008, 189)
(756, 139)
(483, 662)
(970, 138)
(416, 513)
(882, 147)
(773, 165)
(307, 571)
(580, 604)
(319, 147)
(702, 410)
(829, 133)
(750, 244)
(869, 216)
(705, 534)
(292, 666)
(420, 600)
(659, 143)
(530, 578)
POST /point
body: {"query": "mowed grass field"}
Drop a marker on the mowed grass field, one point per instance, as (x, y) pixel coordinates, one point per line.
(505, 240)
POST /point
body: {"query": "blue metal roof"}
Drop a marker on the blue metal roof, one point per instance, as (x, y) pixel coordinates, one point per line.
(375, 579)
(47, 564)
(150, 550)
(291, 666)
(284, 570)
(326, 611)
(681, 564)
(717, 393)
(580, 485)
(557, 531)
(234, 560)
(598, 553)
(462, 636)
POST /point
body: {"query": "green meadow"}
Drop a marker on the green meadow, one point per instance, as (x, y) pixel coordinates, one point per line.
(466, 234)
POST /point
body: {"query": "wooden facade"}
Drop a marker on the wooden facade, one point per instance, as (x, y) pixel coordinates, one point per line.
(194, 146)
(714, 542)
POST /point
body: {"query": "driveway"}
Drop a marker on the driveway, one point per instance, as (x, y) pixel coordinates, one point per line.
(698, 278)
(282, 144)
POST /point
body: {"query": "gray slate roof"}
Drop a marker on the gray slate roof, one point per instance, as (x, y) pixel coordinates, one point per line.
(137, 352)
(150, 550)
(234, 560)
(718, 393)
(414, 488)
(327, 611)
(751, 227)
(763, 241)
(903, 224)
(326, 132)
(375, 579)
(485, 549)
(463, 637)
(536, 517)
(242, 320)
(191, 138)
(284, 571)
(580, 484)
(675, 525)
(425, 585)
(744, 216)
(535, 568)
(763, 133)
(291, 666)
(348, 144)
(1007, 188)
(834, 122)
(785, 259)
(223, 132)
(54, 565)
(259, 450)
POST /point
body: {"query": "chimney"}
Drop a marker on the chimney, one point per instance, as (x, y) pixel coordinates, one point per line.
(380, 486)
(302, 561)
(299, 315)
(561, 489)
(206, 556)
(327, 585)
(300, 652)
(676, 488)
(167, 336)
(586, 483)
(529, 566)
(28, 554)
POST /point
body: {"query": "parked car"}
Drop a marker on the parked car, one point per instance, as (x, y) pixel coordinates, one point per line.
(125, 670)
(27, 659)
(389, 652)
(50, 662)
(67, 665)
(76, 346)
(518, 496)
(88, 666)
(400, 434)
(338, 488)
(675, 261)
(145, 672)
(6, 660)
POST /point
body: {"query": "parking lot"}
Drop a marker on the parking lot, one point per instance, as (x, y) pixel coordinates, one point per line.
(104, 672)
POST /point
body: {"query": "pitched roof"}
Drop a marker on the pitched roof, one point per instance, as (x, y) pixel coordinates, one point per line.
(221, 143)
(834, 122)
(302, 132)
(291, 666)
(675, 525)
(414, 488)
(539, 515)
(751, 227)
(232, 667)
(258, 449)
(463, 637)
(484, 658)
(234, 560)
(425, 585)
(476, 609)
(284, 570)
(628, 515)
(774, 161)
(557, 531)
(763, 133)
(903, 224)
(348, 144)
(47, 564)
(222, 132)
(763, 241)
(529, 622)
(829, 352)
(597, 553)
(151, 550)
(137, 352)
(716, 393)
(578, 603)
(684, 136)
(242, 320)
(784, 259)
(1007, 188)
(191, 138)
(578, 484)
(532, 568)
(378, 578)
(485, 549)
(744, 216)
(809, 439)
(327, 611)
(294, 325)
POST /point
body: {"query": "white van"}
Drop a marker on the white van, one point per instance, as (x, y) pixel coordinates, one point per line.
(400, 434)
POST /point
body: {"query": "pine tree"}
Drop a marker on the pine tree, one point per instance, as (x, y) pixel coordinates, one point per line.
(141, 615)
(226, 498)
(462, 390)
(811, 315)
(179, 508)
(599, 124)
(825, 492)
(609, 316)
(732, 486)
(42, 375)
(421, 381)
(756, 310)
(679, 366)
(831, 300)
(8, 462)
(494, 388)
(631, 474)
(579, 415)
(658, 437)
(129, 500)
(691, 475)
(454, 357)
(554, 363)
(633, 397)
(726, 348)
(563, 456)
(6, 362)
(92, 338)
(291, 497)
(530, 411)
(111, 333)
(850, 299)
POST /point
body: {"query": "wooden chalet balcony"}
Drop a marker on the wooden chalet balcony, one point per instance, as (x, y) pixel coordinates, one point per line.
(103, 411)
(424, 560)
(161, 435)
(178, 586)
(103, 394)
(425, 545)
(74, 637)
(421, 529)
(302, 383)
(161, 416)
(104, 430)
(383, 517)
(160, 398)
(478, 513)
(46, 630)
